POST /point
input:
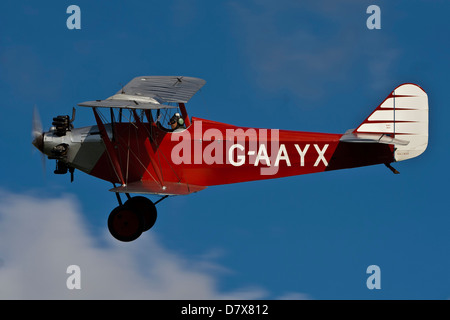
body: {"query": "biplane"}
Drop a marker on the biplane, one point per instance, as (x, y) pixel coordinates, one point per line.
(146, 144)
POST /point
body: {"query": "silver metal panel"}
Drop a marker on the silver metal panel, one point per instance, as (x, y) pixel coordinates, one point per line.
(164, 89)
(127, 104)
(150, 92)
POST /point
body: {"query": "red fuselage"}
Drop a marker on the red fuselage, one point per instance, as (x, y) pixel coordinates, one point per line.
(212, 153)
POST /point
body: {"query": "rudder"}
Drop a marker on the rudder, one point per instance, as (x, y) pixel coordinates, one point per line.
(402, 116)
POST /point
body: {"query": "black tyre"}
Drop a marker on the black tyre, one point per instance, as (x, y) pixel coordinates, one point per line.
(146, 208)
(125, 224)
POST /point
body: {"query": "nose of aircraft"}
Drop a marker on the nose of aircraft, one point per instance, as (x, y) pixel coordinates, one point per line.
(38, 141)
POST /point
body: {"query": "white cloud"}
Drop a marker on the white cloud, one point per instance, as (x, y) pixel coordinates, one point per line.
(40, 238)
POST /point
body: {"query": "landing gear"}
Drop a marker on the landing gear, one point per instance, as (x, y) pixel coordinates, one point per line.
(145, 208)
(124, 224)
(127, 222)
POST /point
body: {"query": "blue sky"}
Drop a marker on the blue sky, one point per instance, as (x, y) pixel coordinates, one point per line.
(276, 64)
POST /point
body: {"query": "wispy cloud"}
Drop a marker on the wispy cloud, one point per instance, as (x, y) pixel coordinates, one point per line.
(308, 48)
(25, 75)
(40, 238)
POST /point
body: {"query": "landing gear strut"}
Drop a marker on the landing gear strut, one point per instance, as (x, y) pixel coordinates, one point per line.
(129, 220)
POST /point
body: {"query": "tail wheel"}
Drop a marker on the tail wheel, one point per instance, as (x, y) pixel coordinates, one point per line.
(145, 208)
(125, 224)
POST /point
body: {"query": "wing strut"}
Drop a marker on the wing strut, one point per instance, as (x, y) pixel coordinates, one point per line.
(109, 147)
(150, 150)
(184, 114)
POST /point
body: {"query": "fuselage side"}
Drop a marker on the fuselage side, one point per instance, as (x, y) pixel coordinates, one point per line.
(212, 153)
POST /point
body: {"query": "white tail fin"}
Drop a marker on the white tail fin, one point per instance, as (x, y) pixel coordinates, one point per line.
(402, 116)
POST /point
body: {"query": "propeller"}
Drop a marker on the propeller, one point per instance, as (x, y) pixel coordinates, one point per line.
(36, 132)
(38, 135)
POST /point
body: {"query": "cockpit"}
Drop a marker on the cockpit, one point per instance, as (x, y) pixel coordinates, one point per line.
(170, 120)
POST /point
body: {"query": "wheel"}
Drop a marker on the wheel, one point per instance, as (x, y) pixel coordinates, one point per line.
(146, 208)
(125, 224)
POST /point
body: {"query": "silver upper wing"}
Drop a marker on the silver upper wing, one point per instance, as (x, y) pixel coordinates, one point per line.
(151, 92)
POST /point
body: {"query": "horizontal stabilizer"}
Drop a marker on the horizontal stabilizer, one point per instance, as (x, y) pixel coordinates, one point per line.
(352, 137)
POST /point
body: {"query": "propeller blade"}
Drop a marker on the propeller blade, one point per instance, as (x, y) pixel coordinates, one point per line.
(37, 124)
(38, 136)
(36, 131)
